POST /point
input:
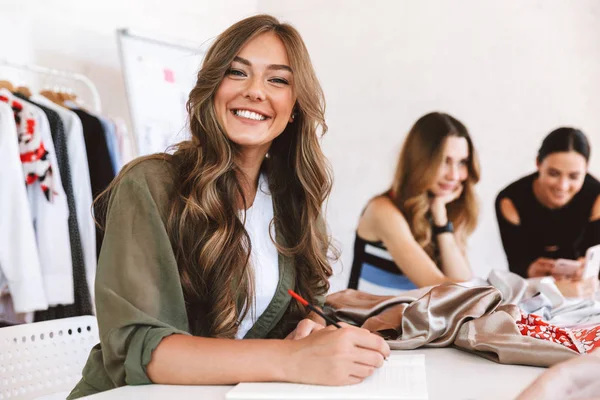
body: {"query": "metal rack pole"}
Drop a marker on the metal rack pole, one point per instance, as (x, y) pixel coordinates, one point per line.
(64, 74)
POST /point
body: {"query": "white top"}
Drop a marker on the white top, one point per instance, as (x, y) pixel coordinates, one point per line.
(82, 188)
(264, 259)
(20, 270)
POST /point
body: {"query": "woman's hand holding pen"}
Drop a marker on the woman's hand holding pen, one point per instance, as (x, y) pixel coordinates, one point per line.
(332, 356)
(304, 328)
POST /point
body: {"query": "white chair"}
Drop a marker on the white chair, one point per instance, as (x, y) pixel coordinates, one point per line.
(44, 358)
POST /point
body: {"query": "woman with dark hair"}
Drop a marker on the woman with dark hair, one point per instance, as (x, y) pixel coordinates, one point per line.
(415, 234)
(202, 246)
(550, 218)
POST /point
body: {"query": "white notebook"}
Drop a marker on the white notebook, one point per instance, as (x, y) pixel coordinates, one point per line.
(401, 378)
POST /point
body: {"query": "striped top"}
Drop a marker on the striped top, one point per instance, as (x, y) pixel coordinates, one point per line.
(374, 271)
(374, 253)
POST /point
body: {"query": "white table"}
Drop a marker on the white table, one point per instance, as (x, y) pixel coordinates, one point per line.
(451, 375)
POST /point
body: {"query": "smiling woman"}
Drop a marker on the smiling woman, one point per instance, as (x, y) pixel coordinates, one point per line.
(415, 234)
(550, 218)
(202, 246)
(255, 100)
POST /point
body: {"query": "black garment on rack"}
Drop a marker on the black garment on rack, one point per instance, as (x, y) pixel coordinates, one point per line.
(101, 169)
(82, 304)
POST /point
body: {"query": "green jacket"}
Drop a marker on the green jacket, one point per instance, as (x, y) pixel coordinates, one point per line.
(139, 298)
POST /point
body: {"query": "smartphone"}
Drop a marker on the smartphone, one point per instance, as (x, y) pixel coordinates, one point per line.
(592, 262)
(565, 267)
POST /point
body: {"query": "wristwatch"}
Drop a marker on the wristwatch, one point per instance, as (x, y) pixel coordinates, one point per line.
(438, 230)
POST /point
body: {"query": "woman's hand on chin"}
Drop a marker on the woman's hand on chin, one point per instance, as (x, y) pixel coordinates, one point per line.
(438, 205)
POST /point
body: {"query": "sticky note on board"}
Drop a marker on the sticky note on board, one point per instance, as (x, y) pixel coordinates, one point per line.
(169, 75)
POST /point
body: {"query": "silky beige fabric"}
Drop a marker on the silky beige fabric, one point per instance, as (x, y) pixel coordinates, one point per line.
(469, 318)
(513, 287)
(497, 338)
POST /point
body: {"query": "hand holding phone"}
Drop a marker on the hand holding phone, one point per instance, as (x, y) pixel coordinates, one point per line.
(540, 268)
(565, 268)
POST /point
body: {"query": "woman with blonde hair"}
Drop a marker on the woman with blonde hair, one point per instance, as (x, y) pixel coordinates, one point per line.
(202, 246)
(415, 234)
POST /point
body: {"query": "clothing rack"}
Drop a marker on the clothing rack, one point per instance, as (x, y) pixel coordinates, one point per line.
(64, 74)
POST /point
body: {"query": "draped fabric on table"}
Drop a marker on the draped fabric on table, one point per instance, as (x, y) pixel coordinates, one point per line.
(501, 320)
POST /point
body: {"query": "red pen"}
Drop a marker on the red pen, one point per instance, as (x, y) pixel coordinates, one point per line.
(312, 308)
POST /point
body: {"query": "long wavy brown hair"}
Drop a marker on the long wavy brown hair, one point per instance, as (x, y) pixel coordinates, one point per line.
(419, 160)
(204, 222)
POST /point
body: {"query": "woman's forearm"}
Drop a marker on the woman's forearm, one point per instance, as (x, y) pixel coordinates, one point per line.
(454, 262)
(192, 360)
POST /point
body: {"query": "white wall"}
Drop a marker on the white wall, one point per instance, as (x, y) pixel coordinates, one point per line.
(80, 35)
(511, 70)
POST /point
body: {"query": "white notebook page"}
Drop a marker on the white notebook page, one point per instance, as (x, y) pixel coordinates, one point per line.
(401, 378)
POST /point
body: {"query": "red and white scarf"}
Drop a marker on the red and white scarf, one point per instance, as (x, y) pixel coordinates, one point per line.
(34, 156)
(579, 340)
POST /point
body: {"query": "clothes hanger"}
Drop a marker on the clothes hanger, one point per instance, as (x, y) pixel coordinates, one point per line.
(52, 95)
(63, 96)
(7, 85)
(24, 90)
(71, 95)
(65, 93)
(21, 87)
(48, 94)
(70, 99)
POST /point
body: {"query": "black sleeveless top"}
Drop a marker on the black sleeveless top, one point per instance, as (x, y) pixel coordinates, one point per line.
(565, 232)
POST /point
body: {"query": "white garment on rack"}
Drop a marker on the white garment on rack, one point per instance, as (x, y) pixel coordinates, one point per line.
(51, 224)
(82, 188)
(126, 145)
(264, 259)
(20, 270)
